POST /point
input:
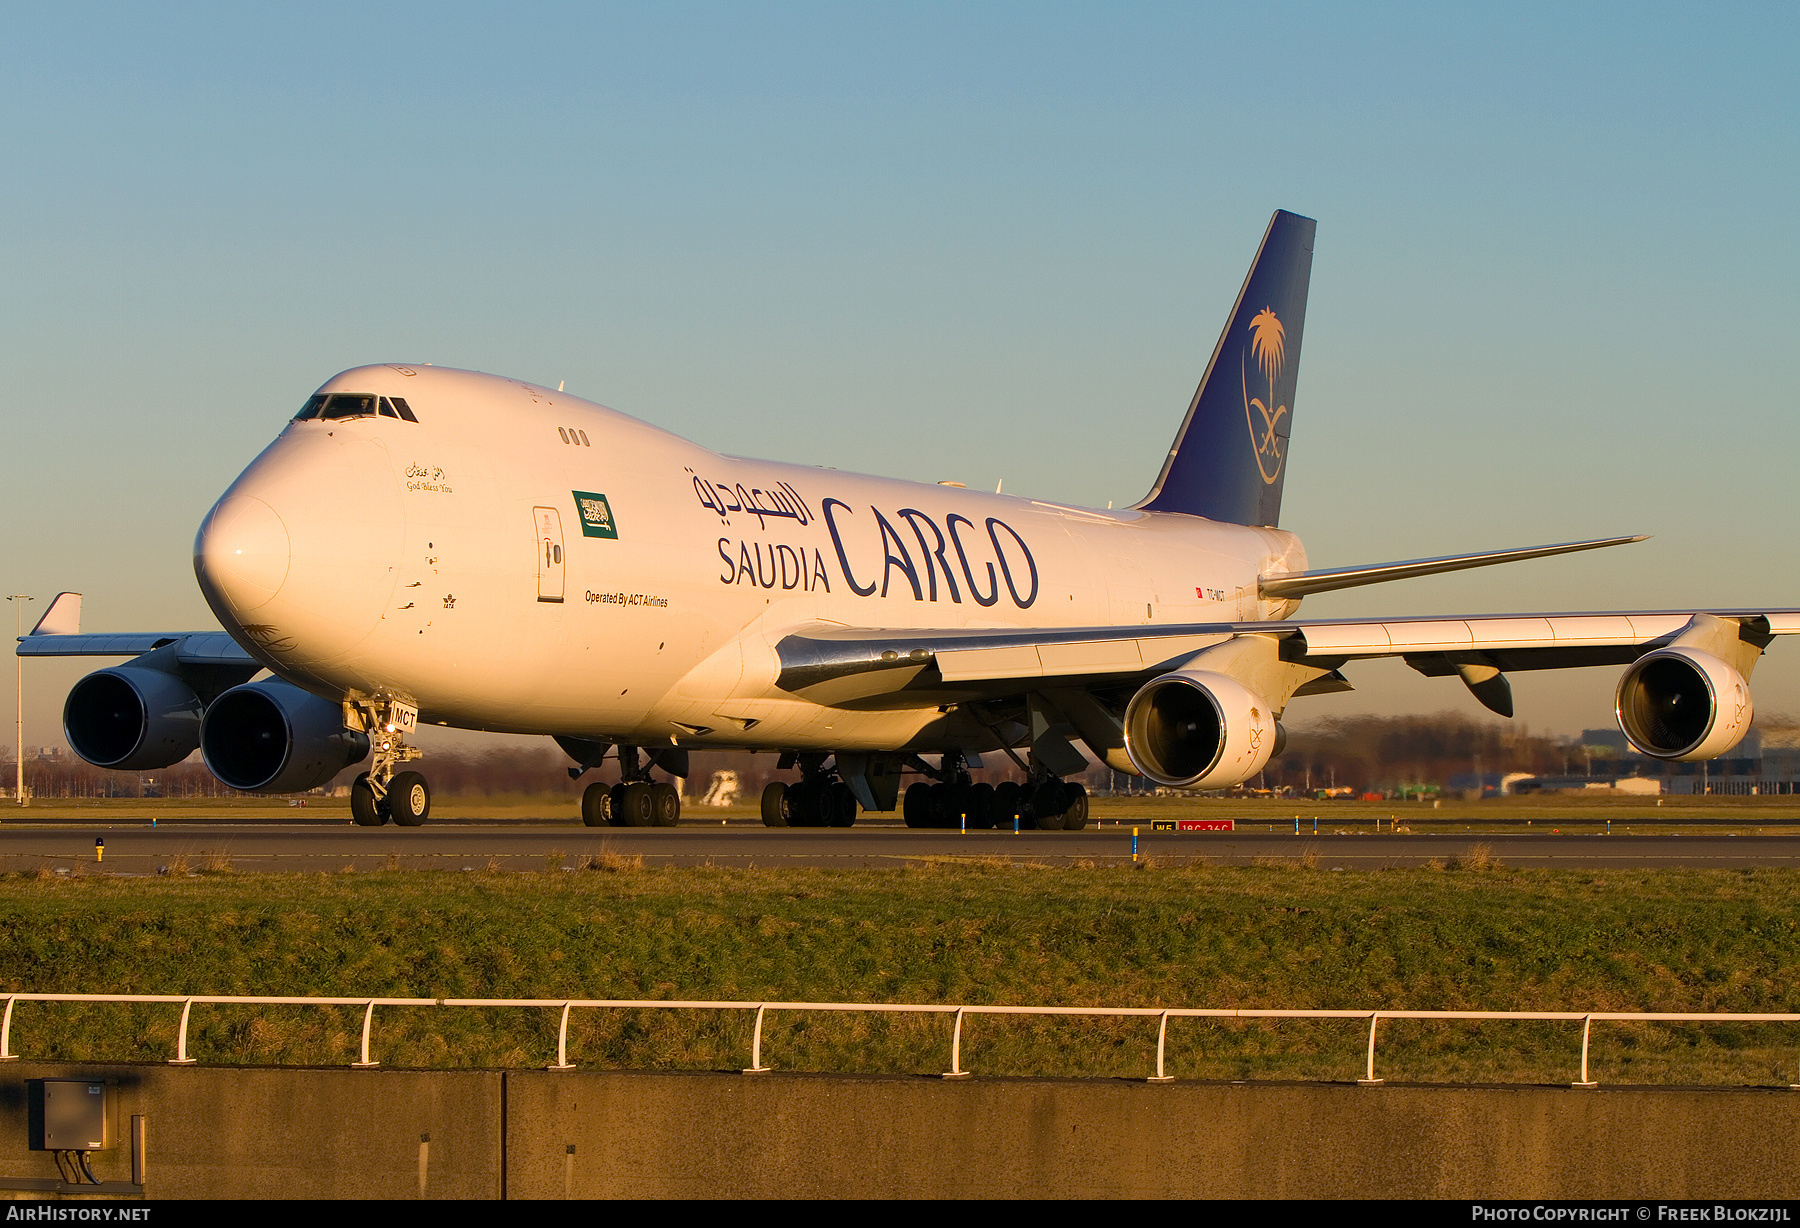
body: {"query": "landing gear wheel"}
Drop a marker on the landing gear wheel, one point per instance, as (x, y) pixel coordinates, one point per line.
(774, 804)
(957, 801)
(409, 799)
(842, 804)
(806, 804)
(634, 807)
(665, 805)
(596, 805)
(982, 810)
(1008, 798)
(1047, 805)
(1076, 816)
(365, 811)
(917, 807)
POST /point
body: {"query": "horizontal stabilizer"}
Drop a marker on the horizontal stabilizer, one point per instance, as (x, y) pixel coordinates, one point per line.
(1304, 583)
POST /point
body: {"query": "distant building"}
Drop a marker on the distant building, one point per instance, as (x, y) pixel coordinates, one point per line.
(1491, 784)
(1646, 786)
(1765, 763)
(1605, 744)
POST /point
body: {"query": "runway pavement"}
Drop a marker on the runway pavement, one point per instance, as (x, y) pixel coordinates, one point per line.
(247, 848)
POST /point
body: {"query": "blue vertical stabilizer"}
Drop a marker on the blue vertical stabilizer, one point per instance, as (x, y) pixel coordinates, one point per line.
(1230, 457)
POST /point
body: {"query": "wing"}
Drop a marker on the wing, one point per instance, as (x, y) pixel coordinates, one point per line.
(854, 668)
(191, 647)
(1131, 695)
(58, 634)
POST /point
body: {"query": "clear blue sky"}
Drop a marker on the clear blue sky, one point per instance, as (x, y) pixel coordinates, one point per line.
(1553, 296)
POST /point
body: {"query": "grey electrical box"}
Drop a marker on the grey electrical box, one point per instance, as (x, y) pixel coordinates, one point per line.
(71, 1115)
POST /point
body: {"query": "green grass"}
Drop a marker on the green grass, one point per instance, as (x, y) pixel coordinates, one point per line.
(1266, 936)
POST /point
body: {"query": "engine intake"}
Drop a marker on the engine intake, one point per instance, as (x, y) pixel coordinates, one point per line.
(132, 719)
(1200, 730)
(1683, 704)
(273, 737)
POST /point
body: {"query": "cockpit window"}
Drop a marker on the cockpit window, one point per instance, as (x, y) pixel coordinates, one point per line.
(348, 405)
(354, 405)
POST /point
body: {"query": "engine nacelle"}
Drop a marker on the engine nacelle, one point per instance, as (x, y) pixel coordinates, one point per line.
(1684, 704)
(272, 737)
(1199, 730)
(132, 719)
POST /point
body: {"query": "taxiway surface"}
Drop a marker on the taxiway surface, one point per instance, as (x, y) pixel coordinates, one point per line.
(138, 849)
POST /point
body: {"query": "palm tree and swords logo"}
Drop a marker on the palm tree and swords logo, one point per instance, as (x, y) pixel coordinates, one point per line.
(1267, 346)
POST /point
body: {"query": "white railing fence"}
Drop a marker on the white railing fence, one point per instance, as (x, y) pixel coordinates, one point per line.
(1162, 1015)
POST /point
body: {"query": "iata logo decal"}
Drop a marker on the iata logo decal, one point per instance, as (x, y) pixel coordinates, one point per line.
(596, 515)
(1267, 339)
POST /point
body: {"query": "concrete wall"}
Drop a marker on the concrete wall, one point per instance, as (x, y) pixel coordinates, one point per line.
(253, 1132)
(266, 1133)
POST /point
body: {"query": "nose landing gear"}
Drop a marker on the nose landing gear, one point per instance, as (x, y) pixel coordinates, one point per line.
(380, 793)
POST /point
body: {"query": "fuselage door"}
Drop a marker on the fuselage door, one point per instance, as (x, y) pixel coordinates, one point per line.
(549, 553)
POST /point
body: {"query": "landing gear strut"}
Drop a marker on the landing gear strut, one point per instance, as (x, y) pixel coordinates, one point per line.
(819, 799)
(381, 793)
(636, 801)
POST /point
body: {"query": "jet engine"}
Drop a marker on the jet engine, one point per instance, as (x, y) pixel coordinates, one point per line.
(272, 737)
(1200, 730)
(1681, 703)
(132, 719)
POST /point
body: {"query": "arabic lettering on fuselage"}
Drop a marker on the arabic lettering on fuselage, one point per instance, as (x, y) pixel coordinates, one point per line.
(778, 502)
(905, 553)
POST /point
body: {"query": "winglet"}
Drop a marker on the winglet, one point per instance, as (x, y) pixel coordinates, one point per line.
(62, 618)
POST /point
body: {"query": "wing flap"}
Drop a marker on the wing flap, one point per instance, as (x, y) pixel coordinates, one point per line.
(984, 664)
(1077, 658)
(96, 644)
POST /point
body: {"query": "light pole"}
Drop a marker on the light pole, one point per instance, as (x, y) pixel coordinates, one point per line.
(19, 600)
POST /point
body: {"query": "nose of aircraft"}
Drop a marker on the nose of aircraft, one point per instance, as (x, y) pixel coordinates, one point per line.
(302, 550)
(243, 552)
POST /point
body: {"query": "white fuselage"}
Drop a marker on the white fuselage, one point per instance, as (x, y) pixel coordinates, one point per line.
(523, 560)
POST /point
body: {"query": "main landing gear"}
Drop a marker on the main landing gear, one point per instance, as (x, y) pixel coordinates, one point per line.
(381, 793)
(1045, 802)
(819, 799)
(636, 801)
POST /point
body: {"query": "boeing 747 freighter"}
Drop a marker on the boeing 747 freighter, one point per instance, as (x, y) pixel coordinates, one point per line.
(425, 544)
